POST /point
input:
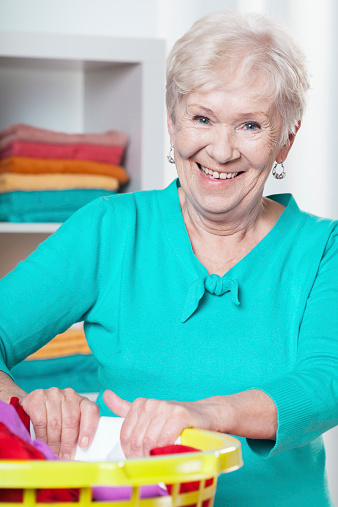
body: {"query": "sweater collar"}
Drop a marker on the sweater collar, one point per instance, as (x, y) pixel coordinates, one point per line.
(234, 281)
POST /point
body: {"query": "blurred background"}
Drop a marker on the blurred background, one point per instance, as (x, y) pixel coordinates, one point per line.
(312, 176)
(311, 168)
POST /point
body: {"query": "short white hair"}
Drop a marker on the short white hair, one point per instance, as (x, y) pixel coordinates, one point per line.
(261, 45)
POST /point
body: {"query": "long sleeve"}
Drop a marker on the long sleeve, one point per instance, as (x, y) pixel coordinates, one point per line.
(307, 397)
(54, 287)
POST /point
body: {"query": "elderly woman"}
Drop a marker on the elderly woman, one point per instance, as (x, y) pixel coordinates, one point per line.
(206, 292)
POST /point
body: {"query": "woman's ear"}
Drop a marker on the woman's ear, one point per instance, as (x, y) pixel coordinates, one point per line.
(283, 153)
(171, 129)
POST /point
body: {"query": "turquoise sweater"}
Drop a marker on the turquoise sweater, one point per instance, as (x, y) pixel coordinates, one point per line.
(160, 326)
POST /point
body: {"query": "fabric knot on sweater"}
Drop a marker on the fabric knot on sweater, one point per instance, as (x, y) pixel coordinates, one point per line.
(217, 285)
(214, 284)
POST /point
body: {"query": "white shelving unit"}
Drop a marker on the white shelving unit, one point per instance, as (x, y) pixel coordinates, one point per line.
(74, 83)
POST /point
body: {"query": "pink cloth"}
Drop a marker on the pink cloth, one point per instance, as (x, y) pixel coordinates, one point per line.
(108, 493)
(10, 418)
(79, 151)
(24, 132)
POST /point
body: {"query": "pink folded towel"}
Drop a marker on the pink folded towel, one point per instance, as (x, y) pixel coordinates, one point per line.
(24, 132)
(78, 151)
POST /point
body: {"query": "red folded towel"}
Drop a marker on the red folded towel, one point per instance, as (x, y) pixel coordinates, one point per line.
(79, 151)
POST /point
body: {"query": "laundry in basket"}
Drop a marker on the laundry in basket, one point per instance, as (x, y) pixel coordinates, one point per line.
(219, 454)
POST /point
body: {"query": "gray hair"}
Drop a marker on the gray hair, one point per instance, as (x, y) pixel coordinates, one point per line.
(261, 45)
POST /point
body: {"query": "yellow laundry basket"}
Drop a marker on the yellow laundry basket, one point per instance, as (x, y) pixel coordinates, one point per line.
(219, 454)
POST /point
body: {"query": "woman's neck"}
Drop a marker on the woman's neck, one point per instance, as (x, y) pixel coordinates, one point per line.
(221, 243)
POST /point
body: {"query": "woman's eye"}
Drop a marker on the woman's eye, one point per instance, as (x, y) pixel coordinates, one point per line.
(251, 125)
(202, 119)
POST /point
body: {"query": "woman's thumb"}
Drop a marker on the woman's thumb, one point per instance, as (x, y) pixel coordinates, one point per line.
(116, 404)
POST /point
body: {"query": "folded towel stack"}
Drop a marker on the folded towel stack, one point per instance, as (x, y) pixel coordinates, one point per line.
(72, 341)
(45, 176)
(66, 361)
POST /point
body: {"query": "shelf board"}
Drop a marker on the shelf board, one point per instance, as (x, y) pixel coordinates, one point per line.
(11, 227)
(81, 48)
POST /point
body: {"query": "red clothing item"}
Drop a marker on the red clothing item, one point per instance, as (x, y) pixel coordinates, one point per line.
(21, 413)
(80, 151)
(186, 487)
(14, 447)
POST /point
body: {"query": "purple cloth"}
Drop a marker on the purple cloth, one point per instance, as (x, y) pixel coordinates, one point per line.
(9, 417)
(106, 493)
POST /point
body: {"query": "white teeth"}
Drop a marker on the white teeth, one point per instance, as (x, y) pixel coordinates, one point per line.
(216, 175)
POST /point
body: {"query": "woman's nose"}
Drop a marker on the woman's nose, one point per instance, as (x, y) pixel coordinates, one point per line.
(222, 145)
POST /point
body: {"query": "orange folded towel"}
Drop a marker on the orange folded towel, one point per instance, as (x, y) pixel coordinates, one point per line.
(37, 165)
(10, 182)
(72, 341)
(24, 132)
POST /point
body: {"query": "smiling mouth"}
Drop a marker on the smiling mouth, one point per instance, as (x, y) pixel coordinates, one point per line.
(216, 175)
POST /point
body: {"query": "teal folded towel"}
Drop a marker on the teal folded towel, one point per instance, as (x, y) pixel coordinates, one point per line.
(45, 205)
(78, 371)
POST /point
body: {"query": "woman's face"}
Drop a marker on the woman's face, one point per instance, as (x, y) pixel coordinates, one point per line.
(225, 141)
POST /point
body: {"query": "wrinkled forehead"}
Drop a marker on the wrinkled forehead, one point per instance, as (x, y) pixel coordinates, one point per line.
(230, 91)
(236, 74)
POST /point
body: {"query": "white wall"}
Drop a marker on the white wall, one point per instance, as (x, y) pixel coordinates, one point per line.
(101, 17)
(311, 173)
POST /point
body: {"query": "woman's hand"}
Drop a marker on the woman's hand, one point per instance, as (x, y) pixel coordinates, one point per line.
(153, 423)
(62, 419)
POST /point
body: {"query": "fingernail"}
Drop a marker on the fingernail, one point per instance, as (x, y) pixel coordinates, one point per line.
(67, 457)
(84, 442)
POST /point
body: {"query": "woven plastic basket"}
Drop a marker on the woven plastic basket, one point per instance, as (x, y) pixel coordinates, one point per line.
(219, 454)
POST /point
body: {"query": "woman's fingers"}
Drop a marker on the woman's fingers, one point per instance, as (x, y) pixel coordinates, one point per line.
(151, 423)
(168, 422)
(160, 432)
(80, 418)
(135, 427)
(62, 418)
(90, 415)
(116, 404)
(170, 432)
(34, 405)
(54, 404)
